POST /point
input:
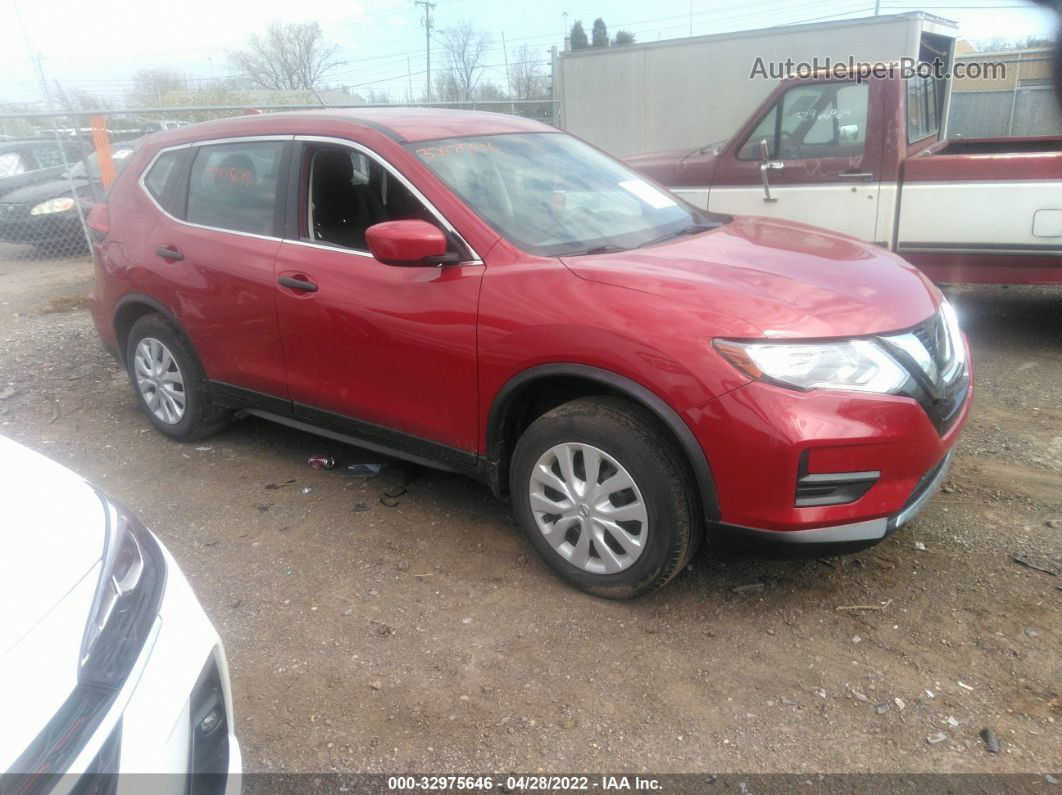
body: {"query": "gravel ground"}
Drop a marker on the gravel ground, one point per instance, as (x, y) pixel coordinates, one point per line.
(427, 637)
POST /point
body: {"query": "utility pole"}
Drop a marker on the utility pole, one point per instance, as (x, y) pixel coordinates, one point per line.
(508, 77)
(409, 75)
(427, 23)
(877, 7)
(36, 58)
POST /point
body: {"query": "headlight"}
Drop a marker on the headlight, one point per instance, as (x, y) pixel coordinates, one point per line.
(127, 600)
(60, 205)
(857, 365)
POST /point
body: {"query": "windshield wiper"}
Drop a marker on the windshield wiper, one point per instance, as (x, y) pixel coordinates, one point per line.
(692, 229)
(594, 250)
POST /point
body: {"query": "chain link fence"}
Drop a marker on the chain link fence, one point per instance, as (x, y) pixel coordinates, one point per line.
(55, 166)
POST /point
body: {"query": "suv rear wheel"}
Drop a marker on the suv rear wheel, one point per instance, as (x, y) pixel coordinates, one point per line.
(169, 383)
(603, 495)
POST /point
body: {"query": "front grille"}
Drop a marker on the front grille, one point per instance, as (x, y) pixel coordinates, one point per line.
(934, 337)
(938, 381)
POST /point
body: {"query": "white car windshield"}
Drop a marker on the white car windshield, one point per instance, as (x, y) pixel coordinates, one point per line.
(551, 194)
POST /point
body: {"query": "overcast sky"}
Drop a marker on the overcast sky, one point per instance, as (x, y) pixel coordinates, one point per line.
(98, 45)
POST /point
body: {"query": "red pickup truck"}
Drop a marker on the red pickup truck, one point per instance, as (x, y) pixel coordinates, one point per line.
(867, 158)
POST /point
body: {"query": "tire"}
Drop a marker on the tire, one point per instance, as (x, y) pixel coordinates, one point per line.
(661, 535)
(182, 381)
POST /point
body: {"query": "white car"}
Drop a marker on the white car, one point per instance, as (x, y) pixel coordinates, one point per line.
(108, 663)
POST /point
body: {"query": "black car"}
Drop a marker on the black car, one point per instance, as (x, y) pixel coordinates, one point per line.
(24, 162)
(45, 213)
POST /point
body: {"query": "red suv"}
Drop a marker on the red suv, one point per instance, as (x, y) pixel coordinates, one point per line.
(487, 295)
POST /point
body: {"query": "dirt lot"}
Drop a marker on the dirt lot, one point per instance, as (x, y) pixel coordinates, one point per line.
(426, 637)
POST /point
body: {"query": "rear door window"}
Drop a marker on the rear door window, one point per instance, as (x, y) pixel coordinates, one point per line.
(234, 186)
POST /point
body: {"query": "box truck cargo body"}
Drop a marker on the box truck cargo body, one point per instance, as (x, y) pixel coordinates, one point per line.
(692, 92)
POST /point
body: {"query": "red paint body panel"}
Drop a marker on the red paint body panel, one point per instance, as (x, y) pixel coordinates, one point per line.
(405, 241)
(754, 437)
(789, 279)
(393, 346)
(938, 163)
(426, 351)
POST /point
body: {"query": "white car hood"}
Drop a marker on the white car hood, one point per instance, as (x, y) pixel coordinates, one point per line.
(52, 528)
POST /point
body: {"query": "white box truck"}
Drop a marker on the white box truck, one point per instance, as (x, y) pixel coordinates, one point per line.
(692, 92)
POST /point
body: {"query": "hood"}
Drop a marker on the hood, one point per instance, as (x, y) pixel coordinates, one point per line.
(53, 528)
(672, 168)
(15, 181)
(42, 191)
(787, 279)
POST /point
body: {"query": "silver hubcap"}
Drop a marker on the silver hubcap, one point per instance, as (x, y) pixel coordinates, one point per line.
(589, 508)
(159, 380)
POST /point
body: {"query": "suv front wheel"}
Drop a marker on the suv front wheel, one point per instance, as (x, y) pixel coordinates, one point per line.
(603, 495)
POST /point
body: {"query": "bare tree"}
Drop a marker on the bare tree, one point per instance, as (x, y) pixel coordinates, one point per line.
(290, 56)
(150, 86)
(490, 92)
(464, 47)
(78, 99)
(446, 88)
(378, 97)
(525, 73)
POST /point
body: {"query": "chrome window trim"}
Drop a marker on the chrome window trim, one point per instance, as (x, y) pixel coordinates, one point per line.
(141, 181)
(476, 258)
(336, 248)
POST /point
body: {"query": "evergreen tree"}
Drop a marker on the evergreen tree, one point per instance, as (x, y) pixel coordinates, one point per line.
(600, 33)
(579, 40)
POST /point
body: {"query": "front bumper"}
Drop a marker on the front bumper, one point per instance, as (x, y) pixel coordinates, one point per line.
(765, 445)
(150, 726)
(852, 535)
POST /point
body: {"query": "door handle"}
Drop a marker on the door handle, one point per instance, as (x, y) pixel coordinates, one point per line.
(171, 253)
(297, 284)
(865, 176)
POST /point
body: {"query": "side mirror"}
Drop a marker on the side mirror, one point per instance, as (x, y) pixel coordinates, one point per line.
(408, 243)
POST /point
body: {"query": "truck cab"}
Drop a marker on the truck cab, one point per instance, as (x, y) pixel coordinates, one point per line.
(867, 157)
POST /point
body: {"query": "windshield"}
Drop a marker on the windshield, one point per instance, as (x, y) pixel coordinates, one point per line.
(551, 194)
(90, 166)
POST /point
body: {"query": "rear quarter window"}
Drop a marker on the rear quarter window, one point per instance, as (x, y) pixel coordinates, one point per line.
(160, 175)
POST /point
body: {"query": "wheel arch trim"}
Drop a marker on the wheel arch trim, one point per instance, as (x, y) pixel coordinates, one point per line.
(146, 300)
(691, 448)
